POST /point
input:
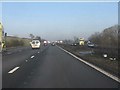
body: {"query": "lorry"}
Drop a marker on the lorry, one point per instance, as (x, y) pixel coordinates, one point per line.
(2, 38)
(81, 41)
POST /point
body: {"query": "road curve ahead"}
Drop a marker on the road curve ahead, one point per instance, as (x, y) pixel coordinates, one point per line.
(53, 68)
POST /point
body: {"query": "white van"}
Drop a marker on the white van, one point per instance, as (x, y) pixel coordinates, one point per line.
(35, 44)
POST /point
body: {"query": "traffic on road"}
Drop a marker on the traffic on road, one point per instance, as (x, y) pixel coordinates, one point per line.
(59, 44)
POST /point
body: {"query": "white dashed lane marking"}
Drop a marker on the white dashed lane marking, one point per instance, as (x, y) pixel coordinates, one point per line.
(13, 70)
(32, 56)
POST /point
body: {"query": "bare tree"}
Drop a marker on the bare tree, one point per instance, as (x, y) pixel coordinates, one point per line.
(76, 39)
(38, 37)
(107, 38)
(95, 38)
(31, 36)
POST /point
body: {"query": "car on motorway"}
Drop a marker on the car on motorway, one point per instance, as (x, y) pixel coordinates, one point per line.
(35, 44)
(74, 44)
(91, 45)
(53, 43)
(45, 43)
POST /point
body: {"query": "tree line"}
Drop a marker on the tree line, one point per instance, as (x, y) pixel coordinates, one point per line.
(107, 38)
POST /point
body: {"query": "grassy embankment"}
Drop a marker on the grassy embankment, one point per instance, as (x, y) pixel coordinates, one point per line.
(12, 41)
(94, 58)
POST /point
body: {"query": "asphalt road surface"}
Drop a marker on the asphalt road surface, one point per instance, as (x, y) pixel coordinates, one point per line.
(50, 67)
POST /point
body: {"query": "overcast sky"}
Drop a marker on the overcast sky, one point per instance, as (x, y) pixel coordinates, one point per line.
(53, 20)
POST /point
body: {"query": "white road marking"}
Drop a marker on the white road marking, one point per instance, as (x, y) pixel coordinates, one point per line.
(13, 70)
(26, 60)
(32, 56)
(93, 66)
(38, 52)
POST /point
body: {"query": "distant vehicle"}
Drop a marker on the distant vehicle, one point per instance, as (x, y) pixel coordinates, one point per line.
(74, 44)
(2, 38)
(53, 44)
(45, 43)
(91, 45)
(35, 44)
(81, 42)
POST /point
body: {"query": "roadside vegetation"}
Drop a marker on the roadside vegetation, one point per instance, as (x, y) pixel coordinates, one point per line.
(107, 41)
(12, 41)
(105, 52)
(107, 38)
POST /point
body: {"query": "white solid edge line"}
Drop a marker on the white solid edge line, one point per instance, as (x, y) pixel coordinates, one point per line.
(93, 66)
(13, 70)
